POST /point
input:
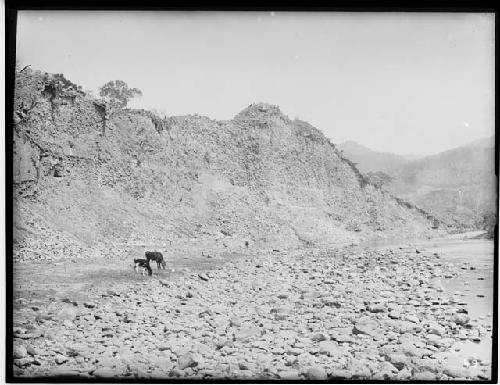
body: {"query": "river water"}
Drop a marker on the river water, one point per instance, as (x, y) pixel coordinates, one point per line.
(474, 287)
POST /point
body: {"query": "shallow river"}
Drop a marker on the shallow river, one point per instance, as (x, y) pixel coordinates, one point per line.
(472, 287)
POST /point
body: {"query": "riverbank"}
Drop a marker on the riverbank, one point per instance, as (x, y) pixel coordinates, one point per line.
(307, 314)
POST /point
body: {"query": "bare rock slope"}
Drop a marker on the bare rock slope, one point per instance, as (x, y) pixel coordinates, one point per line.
(84, 180)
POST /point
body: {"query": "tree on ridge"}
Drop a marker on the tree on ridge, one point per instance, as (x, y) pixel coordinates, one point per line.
(117, 93)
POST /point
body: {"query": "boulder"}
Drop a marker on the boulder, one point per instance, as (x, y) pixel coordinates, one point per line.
(377, 308)
(319, 337)
(316, 373)
(460, 319)
(187, 361)
(456, 371)
(435, 328)
(67, 313)
(289, 374)
(64, 372)
(60, 359)
(106, 373)
(22, 362)
(341, 374)
(398, 360)
(247, 333)
(20, 351)
(365, 327)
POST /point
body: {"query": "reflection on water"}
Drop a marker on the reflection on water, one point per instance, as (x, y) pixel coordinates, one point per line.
(474, 287)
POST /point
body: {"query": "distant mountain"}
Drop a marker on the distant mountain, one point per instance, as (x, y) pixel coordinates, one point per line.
(488, 142)
(458, 184)
(411, 157)
(368, 160)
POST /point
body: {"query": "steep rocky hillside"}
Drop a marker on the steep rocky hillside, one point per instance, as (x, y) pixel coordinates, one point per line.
(89, 183)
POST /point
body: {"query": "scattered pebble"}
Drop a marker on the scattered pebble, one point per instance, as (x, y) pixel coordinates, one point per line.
(314, 314)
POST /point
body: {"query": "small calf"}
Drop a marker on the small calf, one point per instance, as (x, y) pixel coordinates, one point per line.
(144, 264)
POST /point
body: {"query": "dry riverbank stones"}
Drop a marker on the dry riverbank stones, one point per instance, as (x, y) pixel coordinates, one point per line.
(310, 315)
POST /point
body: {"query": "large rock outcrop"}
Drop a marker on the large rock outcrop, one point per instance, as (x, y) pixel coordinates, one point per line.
(85, 180)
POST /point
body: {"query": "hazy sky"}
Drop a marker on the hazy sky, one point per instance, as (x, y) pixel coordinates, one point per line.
(398, 82)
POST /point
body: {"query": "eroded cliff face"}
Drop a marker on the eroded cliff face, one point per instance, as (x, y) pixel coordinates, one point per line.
(85, 181)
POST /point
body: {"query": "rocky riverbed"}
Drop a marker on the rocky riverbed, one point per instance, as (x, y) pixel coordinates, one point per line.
(347, 313)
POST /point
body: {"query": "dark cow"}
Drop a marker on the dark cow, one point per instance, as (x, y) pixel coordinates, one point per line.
(157, 257)
(144, 264)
